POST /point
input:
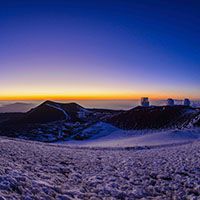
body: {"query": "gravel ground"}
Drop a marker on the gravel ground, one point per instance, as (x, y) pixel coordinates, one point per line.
(33, 170)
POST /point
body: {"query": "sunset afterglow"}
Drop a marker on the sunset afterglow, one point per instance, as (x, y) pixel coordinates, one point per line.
(84, 50)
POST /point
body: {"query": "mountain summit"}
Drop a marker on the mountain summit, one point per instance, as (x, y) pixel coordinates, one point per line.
(52, 111)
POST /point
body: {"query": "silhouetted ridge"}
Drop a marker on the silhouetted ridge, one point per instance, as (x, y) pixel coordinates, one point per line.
(50, 111)
(52, 121)
(154, 117)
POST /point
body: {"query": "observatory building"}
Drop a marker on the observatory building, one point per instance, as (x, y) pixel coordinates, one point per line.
(186, 102)
(170, 102)
(145, 101)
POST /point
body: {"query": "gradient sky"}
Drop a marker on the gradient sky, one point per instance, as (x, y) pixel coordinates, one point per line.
(100, 49)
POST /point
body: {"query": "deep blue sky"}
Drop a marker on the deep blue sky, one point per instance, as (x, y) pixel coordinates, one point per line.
(107, 49)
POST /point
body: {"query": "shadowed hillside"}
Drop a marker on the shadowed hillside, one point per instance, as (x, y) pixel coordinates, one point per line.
(52, 121)
(154, 117)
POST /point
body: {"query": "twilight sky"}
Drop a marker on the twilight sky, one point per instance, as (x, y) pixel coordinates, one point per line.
(100, 49)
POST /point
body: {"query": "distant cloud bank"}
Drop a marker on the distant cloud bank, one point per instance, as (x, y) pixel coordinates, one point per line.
(16, 107)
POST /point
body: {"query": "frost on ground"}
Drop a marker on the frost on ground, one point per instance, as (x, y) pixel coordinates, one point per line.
(106, 135)
(32, 170)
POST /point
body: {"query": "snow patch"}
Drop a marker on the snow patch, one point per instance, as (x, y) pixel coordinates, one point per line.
(109, 136)
(83, 113)
(193, 121)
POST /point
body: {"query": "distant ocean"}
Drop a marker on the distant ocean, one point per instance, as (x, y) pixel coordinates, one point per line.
(23, 106)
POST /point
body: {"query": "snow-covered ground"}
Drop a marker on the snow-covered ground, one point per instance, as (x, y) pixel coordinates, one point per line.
(106, 135)
(33, 170)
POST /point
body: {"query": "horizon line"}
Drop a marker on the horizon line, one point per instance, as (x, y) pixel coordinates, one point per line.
(92, 98)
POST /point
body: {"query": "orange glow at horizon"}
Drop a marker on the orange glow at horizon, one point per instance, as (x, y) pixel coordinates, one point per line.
(56, 91)
(115, 96)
